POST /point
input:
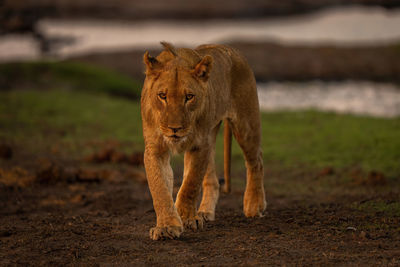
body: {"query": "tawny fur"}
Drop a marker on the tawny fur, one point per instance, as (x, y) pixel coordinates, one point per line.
(186, 95)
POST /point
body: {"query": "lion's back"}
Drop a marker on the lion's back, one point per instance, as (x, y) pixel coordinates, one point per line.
(232, 71)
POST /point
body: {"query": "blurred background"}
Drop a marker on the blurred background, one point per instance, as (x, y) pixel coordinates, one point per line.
(286, 41)
(328, 76)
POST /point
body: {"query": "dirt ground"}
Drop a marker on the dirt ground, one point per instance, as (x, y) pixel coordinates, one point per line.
(99, 211)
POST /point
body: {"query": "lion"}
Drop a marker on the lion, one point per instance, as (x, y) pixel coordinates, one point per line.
(186, 95)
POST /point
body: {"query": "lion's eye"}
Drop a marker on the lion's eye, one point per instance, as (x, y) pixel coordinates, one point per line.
(189, 97)
(162, 96)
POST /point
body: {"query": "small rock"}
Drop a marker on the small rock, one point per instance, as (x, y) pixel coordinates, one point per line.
(350, 228)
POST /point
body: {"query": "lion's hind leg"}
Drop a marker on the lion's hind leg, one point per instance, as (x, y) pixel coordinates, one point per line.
(210, 191)
(210, 184)
(247, 132)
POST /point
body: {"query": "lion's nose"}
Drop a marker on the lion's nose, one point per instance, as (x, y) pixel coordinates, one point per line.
(175, 129)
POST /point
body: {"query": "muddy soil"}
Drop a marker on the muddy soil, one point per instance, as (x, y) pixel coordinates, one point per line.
(74, 213)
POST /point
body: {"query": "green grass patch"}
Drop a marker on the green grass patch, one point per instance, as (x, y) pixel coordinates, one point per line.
(69, 75)
(379, 206)
(320, 139)
(327, 139)
(36, 118)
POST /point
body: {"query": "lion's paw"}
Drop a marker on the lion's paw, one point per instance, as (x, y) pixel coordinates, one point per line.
(195, 223)
(207, 216)
(254, 205)
(168, 232)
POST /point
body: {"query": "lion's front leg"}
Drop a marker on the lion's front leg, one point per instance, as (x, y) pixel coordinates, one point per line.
(195, 167)
(160, 180)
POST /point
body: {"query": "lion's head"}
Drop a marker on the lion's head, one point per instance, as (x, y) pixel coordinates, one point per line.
(176, 88)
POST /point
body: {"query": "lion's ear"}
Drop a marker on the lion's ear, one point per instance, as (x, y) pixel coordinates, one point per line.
(203, 68)
(152, 64)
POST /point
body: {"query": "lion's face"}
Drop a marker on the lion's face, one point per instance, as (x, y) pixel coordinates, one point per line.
(176, 92)
(177, 98)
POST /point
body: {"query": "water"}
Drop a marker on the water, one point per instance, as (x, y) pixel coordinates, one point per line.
(361, 98)
(343, 26)
(18, 47)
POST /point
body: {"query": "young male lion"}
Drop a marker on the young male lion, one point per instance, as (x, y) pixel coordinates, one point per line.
(186, 95)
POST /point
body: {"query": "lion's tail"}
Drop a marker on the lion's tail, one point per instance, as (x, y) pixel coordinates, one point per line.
(227, 156)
